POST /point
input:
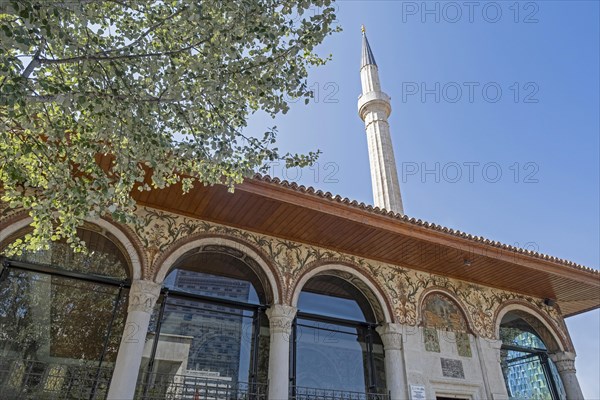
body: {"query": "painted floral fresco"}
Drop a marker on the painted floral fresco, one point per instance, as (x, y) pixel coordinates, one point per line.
(403, 289)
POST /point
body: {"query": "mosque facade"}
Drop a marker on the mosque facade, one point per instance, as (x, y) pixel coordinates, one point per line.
(280, 291)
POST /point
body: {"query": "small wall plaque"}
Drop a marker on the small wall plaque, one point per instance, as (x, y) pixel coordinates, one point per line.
(452, 368)
(417, 392)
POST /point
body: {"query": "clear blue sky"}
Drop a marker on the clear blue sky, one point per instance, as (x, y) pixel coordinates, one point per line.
(548, 130)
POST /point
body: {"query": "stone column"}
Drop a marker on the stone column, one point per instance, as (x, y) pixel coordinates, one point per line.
(395, 372)
(142, 298)
(565, 364)
(281, 318)
(488, 351)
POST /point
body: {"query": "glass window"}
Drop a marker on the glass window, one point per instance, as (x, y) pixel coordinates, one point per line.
(213, 333)
(330, 356)
(337, 307)
(103, 258)
(528, 371)
(211, 285)
(58, 332)
(336, 347)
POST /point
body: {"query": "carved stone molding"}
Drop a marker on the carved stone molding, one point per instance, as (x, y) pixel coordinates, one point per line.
(391, 336)
(281, 317)
(564, 361)
(143, 296)
(495, 344)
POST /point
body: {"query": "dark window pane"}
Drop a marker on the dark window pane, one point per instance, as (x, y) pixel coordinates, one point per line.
(330, 357)
(315, 303)
(336, 353)
(204, 284)
(103, 257)
(54, 332)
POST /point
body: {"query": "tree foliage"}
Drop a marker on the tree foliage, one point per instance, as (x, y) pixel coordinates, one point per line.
(152, 85)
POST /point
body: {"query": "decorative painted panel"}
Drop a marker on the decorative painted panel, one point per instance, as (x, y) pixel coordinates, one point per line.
(431, 339)
(402, 287)
(463, 344)
(442, 313)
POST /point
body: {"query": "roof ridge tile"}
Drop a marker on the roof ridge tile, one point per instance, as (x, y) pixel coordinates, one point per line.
(310, 190)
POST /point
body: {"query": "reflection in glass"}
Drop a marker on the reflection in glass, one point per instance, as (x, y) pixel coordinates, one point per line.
(103, 257)
(329, 357)
(214, 341)
(212, 330)
(528, 371)
(44, 316)
(337, 307)
(336, 345)
(58, 332)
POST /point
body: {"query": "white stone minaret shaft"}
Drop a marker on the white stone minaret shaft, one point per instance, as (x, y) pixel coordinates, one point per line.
(374, 108)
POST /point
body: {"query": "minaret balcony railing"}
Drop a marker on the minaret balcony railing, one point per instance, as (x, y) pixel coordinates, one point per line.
(367, 102)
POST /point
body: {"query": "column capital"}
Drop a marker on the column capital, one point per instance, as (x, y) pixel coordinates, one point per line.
(143, 295)
(495, 344)
(281, 317)
(391, 336)
(564, 361)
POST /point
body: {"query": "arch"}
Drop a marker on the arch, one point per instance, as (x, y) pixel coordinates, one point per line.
(371, 290)
(123, 239)
(554, 339)
(259, 262)
(452, 298)
(7, 232)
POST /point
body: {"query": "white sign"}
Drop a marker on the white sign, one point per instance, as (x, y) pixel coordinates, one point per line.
(417, 392)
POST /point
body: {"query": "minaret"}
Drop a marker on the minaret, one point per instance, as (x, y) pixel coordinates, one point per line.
(374, 108)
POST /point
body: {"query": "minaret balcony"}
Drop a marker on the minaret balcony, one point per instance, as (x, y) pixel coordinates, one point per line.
(374, 101)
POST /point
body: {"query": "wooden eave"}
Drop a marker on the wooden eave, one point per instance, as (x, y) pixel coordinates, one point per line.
(296, 213)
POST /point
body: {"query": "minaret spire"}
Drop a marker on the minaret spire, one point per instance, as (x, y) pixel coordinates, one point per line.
(374, 109)
(367, 54)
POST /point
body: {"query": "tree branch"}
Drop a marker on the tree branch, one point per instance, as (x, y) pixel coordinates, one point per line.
(59, 97)
(35, 61)
(95, 57)
(146, 33)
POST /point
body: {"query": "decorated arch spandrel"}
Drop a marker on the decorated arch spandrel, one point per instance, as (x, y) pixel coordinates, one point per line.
(402, 286)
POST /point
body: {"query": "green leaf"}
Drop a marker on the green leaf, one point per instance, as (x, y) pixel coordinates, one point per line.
(169, 87)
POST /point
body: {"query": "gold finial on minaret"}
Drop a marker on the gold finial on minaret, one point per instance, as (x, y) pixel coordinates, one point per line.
(362, 29)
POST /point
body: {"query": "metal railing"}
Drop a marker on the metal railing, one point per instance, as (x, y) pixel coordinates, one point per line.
(188, 387)
(38, 380)
(33, 380)
(304, 393)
